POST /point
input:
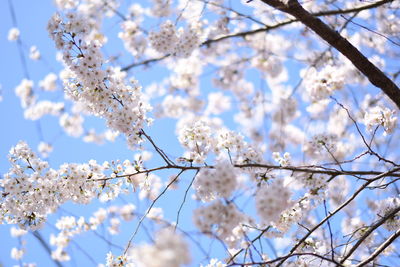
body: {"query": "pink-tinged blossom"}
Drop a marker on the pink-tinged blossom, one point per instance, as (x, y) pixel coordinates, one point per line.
(380, 116)
(271, 200)
(13, 34)
(211, 184)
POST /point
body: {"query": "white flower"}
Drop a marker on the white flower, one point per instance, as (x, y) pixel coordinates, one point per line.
(321, 84)
(180, 42)
(25, 92)
(60, 255)
(17, 254)
(380, 116)
(272, 200)
(13, 34)
(218, 182)
(17, 232)
(224, 220)
(49, 82)
(169, 249)
(34, 53)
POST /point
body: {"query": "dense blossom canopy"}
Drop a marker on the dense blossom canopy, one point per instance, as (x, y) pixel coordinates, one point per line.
(285, 115)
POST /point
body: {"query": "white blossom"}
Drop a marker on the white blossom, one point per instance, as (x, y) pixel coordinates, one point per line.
(13, 34)
(169, 249)
(271, 200)
(17, 254)
(380, 116)
(34, 53)
(219, 182)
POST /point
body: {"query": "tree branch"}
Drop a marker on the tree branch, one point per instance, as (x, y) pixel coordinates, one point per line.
(344, 204)
(379, 250)
(332, 37)
(46, 247)
(370, 230)
(304, 169)
(264, 29)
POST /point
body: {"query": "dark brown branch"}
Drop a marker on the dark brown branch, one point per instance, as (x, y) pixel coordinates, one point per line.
(304, 169)
(144, 62)
(332, 37)
(159, 151)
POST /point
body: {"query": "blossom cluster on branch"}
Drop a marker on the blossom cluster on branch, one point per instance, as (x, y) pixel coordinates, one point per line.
(281, 152)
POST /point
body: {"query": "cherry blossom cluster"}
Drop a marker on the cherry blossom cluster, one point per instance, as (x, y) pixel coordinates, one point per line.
(72, 124)
(214, 263)
(380, 116)
(13, 34)
(161, 8)
(315, 183)
(44, 149)
(173, 106)
(321, 144)
(103, 92)
(99, 138)
(203, 136)
(34, 53)
(133, 38)
(149, 184)
(32, 190)
(185, 75)
(322, 84)
(271, 200)
(268, 50)
(41, 108)
(271, 65)
(91, 12)
(229, 74)
(178, 42)
(356, 227)
(223, 220)
(66, 4)
(238, 149)
(49, 83)
(18, 253)
(221, 181)
(34, 109)
(168, 249)
(293, 214)
(196, 138)
(166, 39)
(70, 227)
(387, 206)
(25, 92)
(285, 109)
(217, 103)
(282, 160)
(337, 190)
